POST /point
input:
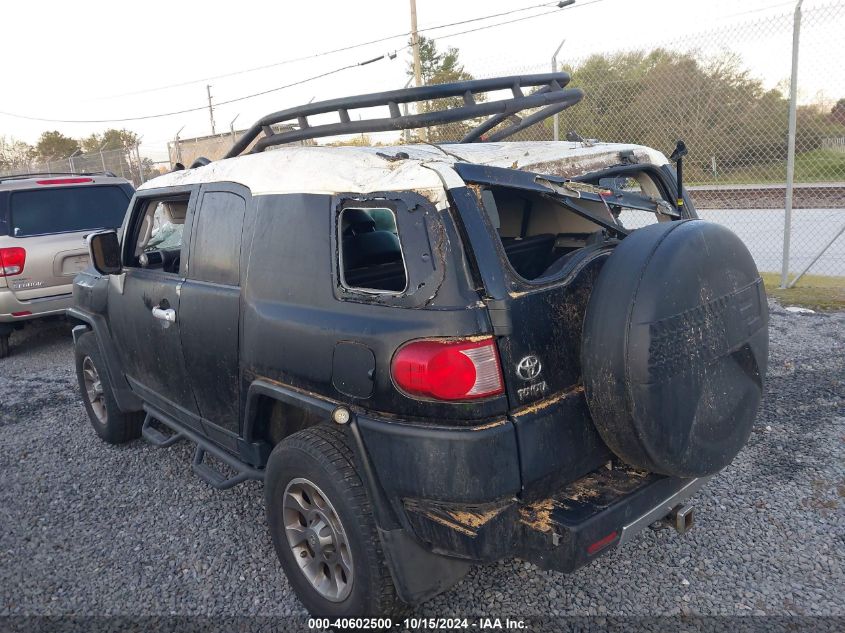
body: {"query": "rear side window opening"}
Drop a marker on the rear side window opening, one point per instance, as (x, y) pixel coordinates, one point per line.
(66, 209)
(538, 234)
(370, 251)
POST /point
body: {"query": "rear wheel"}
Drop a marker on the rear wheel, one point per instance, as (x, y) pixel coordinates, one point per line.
(110, 423)
(322, 526)
(4, 345)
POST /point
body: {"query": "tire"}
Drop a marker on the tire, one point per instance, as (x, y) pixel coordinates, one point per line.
(4, 346)
(111, 424)
(319, 460)
(675, 347)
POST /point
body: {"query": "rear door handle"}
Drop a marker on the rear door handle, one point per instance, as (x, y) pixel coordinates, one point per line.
(168, 315)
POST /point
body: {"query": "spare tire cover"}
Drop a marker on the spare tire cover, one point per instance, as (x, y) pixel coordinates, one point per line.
(675, 347)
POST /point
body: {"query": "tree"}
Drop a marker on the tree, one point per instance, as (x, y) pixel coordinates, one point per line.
(110, 139)
(837, 113)
(654, 98)
(54, 144)
(15, 155)
(439, 68)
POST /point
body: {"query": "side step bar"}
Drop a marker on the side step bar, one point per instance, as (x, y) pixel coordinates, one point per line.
(156, 437)
(204, 471)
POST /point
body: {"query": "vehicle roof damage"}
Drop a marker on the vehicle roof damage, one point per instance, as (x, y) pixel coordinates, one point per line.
(417, 168)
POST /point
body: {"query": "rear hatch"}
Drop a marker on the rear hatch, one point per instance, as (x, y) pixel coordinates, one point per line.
(50, 221)
(551, 237)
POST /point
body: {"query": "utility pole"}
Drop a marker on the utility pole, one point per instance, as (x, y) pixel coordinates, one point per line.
(415, 45)
(210, 109)
(415, 42)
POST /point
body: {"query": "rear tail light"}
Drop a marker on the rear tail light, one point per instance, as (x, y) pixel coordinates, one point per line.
(12, 261)
(448, 369)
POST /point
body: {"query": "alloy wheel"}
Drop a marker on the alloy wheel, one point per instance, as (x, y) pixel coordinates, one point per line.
(94, 390)
(317, 539)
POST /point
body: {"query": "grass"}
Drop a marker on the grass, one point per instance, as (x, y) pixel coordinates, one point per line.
(816, 292)
(818, 165)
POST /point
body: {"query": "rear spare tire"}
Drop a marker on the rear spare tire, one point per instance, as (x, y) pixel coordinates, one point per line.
(675, 347)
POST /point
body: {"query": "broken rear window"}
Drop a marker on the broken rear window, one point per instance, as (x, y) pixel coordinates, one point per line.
(539, 232)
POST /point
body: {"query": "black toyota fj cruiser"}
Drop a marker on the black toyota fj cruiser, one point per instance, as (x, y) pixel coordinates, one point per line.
(432, 355)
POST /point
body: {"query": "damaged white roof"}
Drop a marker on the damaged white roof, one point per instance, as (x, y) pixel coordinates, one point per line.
(350, 169)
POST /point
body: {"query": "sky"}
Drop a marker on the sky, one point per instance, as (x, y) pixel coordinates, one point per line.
(107, 60)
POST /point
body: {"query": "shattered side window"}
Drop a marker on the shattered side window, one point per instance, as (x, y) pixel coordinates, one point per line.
(158, 234)
(370, 251)
(630, 218)
(165, 234)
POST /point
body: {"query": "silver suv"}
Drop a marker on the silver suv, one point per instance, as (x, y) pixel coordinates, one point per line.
(44, 219)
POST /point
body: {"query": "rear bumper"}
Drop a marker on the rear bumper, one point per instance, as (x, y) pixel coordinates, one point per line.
(577, 536)
(582, 521)
(13, 310)
(459, 492)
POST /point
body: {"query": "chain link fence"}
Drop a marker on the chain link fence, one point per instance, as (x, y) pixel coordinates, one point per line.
(126, 163)
(715, 91)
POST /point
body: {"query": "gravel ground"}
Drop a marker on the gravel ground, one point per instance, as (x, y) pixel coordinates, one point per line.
(91, 529)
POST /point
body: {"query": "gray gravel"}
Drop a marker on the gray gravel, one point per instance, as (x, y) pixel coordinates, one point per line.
(91, 529)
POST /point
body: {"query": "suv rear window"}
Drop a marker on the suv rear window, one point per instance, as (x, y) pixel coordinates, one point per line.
(66, 209)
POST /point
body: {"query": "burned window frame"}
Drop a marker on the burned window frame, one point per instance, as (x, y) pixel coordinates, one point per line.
(420, 229)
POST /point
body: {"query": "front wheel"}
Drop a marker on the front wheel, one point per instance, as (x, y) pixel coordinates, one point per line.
(110, 423)
(322, 526)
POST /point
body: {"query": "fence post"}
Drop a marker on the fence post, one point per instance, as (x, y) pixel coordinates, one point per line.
(555, 122)
(790, 152)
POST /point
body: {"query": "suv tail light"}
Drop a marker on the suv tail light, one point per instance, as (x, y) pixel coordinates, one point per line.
(12, 261)
(448, 369)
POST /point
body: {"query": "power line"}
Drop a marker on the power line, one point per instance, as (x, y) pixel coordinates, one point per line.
(290, 85)
(324, 53)
(528, 17)
(188, 110)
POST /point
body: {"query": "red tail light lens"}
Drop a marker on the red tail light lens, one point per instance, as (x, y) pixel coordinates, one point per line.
(448, 369)
(63, 181)
(12, 261)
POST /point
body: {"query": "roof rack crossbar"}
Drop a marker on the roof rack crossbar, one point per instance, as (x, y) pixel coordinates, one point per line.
(550, 92)
(479, 131)
(531, 119)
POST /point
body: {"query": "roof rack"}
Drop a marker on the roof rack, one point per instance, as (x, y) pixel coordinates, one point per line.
(549, 92)
(36, 174)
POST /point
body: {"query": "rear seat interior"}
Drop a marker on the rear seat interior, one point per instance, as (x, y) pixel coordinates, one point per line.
(372, 254)
(538, 236)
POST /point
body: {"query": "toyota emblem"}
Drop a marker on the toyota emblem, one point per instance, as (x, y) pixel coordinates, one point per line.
(529, 367)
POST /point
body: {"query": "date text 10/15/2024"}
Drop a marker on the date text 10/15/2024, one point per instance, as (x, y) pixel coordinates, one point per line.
(417, 624)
